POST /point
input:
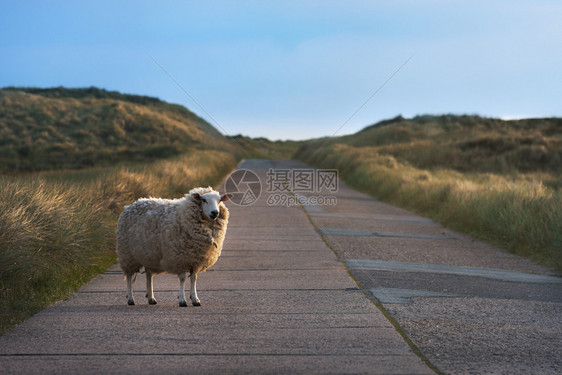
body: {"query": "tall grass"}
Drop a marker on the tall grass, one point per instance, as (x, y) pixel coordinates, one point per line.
(52, 239)
(58, 230)
(53, 129)
(516, 212)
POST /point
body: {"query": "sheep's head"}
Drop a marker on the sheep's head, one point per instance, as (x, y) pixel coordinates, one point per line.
(210, 203)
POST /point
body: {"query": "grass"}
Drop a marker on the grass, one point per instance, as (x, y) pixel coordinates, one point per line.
(52, 129)
(57, 229)
(263, 148)
(489, 191)
(466, 143)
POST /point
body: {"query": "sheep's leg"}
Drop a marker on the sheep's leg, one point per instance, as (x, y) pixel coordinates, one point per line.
(130, 280)
(181, 296)
(149, 291)
(193, 295)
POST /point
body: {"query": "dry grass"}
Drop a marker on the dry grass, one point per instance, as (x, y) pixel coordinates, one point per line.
(52, 239)
(264, 148)
(58, 230)
(60, 128)
(466, 143)
(509, 204)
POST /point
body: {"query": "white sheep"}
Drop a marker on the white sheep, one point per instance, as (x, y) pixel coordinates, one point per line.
(174, 236)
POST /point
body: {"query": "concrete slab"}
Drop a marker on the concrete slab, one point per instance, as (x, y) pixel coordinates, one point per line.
(169, 331)
(352, 202)
(485, 335)
(362, 233)
(274, 254)
(276, 232)
(464, 251)
(212, 364)
(404, 296)
(488, 273)
(459, 285)
(286, 260)
(231, 302)
(375, 224)
(284, 243)
(237, 280)
(131, 320)
(368, 217)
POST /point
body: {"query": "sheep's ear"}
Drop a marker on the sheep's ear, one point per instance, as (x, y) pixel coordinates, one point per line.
(196, 197)
(225, 197)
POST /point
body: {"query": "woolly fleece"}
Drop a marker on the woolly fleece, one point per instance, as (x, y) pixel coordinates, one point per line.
(170, 235)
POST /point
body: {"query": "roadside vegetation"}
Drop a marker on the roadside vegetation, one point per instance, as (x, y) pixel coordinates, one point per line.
(500, 181)
(57, 230)
(71, 159)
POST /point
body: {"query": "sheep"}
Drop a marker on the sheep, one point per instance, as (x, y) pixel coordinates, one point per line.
(174, 236)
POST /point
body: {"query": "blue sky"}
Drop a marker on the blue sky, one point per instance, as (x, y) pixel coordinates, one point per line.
(296, 69)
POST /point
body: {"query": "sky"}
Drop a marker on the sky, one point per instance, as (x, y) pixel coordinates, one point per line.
(296, 69)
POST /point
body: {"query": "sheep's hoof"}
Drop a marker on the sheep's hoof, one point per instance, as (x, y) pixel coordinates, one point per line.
(130, 302)
(196, 303)
(152, 301)
(183, 304)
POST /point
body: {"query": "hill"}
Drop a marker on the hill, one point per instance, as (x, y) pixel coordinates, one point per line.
(463, 143)
(263, 148)
(59, 128)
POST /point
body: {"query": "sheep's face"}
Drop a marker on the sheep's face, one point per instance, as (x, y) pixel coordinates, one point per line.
(210, 203)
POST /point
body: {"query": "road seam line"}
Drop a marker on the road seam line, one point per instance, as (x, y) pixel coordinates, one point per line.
(416, 351)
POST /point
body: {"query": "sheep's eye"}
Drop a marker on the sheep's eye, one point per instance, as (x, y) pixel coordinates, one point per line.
(204, 200)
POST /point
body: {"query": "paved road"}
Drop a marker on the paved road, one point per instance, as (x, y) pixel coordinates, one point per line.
(277, 301)
(304, 291)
